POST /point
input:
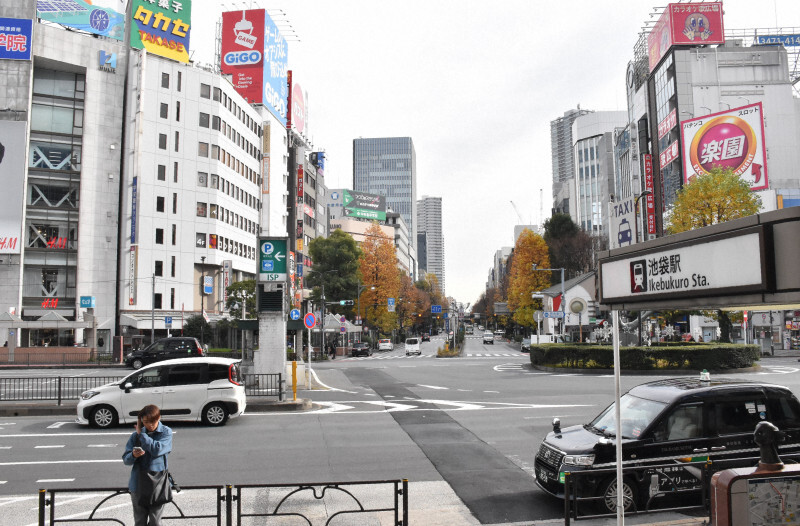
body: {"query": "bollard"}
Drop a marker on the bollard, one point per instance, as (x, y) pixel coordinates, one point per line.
(294, 381)
(405, 502)
(42, 505)
(228, 505)
(567, 482)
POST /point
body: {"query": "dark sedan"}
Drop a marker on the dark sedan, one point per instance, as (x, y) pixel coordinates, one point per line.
(426, 337)
(360, 349)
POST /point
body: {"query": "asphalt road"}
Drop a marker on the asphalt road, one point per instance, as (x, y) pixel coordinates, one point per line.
(465, 427)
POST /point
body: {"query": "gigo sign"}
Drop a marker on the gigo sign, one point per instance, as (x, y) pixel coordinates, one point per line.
(242, 58)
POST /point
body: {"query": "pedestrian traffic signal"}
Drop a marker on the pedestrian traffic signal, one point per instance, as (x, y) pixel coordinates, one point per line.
(345, 302)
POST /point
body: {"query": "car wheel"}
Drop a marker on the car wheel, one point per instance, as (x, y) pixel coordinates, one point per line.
(608, 492)
(137, 363)
(215, 414)
(103, 417)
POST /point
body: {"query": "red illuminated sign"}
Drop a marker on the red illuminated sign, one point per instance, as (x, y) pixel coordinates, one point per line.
(669, 154)
(57, 242)
(685, 25)
(300, 185)
(669, 122)
(8, 242)
(651, 201)
(50, 303)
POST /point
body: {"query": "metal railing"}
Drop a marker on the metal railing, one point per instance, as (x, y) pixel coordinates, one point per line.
(61, 388)
(58, 388)
(660, 497)
(314, 503)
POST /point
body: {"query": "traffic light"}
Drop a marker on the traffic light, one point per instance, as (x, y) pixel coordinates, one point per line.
(346, 302)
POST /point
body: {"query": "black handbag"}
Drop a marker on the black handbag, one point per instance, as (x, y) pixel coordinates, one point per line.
(155, 487)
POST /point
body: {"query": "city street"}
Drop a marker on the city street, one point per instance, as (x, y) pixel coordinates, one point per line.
(473, 422)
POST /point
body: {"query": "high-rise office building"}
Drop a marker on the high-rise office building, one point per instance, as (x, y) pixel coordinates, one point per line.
(429, 221)
(561, 144)
(388, 166)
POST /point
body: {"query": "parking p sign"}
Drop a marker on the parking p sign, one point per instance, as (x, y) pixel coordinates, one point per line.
(272, 259)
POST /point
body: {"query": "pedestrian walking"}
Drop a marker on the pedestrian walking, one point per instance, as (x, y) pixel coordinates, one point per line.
(146, 451)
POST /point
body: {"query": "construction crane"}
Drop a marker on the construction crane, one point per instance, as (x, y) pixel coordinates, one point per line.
(521, 221)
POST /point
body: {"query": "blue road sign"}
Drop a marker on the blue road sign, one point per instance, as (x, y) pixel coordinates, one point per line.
(309, 320)
(436, 309)
(208, 285)
(168, 321)
(295, 314)
(553, 314)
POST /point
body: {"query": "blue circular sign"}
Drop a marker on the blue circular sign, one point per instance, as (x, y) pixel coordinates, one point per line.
(294, 314)
(309, 320)
(99, 20)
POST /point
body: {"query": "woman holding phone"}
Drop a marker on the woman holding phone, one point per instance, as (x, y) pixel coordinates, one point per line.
(147, 448)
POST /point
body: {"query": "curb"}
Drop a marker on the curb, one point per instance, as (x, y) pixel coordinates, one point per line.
(645, 372)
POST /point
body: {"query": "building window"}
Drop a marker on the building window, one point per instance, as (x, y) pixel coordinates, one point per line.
(202, 209)
(159, 268)
(162, 172)
(205, 91)
(162, 141)
(174, 234)
(160, 203)
(215, 122)
(164, 113)
(204, 119)
(157, 301)
(215, 182)
(165, 80)
(202, 149)
(175, 172)
(159, 236)
(202, 179)
(172, 297)
(178, 110)
(174, 203)
(177, 140)
(180, 78)
(215, 151)
(172, 268)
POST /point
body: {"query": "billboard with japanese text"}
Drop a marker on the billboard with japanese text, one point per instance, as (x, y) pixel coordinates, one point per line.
(729, 139)
(13, 139)
(162, 27)
(685, 25)
(243, 52)
(101, 17)
(276, 66)
(16, 38)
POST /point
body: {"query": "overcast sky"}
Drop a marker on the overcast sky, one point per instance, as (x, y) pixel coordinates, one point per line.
(474, 84)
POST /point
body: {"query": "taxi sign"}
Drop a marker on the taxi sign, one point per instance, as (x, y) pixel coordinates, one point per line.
(272, 259)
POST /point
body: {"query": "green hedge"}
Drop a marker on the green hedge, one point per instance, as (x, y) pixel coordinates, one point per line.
(710, 356)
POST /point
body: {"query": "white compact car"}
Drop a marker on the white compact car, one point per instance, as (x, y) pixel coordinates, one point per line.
(189, 389)
(412, 346)
(385, 345)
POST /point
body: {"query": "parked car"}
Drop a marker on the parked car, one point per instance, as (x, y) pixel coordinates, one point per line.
(526, 345)
(412, 346)
(385, 345)
(165, 349)
(488, 337)
(207, 389)
(665, 422)
(360, 349)
(426, 337)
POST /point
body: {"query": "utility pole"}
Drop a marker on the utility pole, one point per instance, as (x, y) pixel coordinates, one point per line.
(202, 299)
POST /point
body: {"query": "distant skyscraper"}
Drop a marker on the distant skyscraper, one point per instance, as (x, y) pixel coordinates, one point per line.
(561, 148)
(429, 221)
(388, 166)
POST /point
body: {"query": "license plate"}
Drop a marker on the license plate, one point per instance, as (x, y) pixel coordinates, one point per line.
(542, 475)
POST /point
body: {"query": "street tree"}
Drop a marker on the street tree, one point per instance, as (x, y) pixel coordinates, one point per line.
(571, 248)
(242, 293)
(379, 272)
(529, 250)
(712, 198)
(336, 265)
(709, 199)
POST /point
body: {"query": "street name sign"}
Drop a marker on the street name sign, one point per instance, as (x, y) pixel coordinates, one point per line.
(553, 314)
(272, 259)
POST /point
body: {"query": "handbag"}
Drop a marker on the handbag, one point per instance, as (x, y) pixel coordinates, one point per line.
(155, 487)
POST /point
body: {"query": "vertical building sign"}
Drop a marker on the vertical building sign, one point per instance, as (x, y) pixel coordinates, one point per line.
(162, 27)
(650, 199)
(243, 52)
(132, 264)
(227, 279)
(276, 88)
(13, 140)
(300, 194)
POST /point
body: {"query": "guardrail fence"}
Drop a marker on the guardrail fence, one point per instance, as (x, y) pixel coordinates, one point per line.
(328, 503)
(61, 388)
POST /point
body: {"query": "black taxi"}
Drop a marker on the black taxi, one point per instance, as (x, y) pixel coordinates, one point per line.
(674, 421)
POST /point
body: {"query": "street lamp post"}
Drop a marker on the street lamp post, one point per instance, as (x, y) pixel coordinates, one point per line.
(563, 296)
(202, 299)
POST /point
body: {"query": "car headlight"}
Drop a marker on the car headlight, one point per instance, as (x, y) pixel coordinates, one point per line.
(87, 395)
(579, 460)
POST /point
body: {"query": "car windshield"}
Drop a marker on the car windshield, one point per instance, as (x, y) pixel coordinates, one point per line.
(412, 341)
(636, 415)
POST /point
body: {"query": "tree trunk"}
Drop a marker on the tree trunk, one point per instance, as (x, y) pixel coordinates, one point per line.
(725, 326)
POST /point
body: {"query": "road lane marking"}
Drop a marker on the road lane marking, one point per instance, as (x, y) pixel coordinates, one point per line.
(3, 481)
(89, 434)
(5, 447)
(432, 386)
(43, 481)
(83, 514)
(492, 392)
(50, 447)
(44, 462)
(102, 445)
(56, 425)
